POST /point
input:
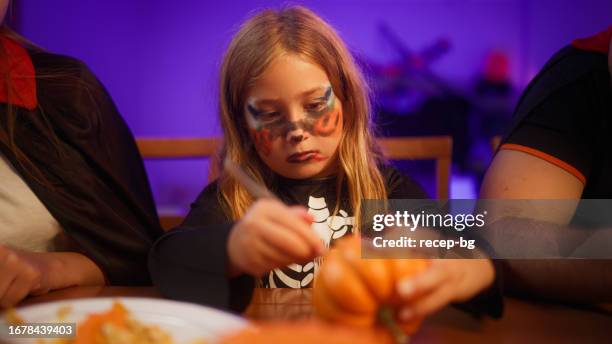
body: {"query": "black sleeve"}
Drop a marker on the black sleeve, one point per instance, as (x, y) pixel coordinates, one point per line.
(559, 118)
(189, 263)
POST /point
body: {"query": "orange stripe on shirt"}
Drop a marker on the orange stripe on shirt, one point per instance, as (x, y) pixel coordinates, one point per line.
(551, 159)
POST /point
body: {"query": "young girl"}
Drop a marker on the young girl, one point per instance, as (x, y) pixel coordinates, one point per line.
(295, 116)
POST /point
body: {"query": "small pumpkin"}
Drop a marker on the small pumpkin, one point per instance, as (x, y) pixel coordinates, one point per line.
(362, 292)
(305, 332)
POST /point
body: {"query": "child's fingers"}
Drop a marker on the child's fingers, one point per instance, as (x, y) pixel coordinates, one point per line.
(307, 231)
(251, 260)
(279, 213)
(258, 264)
(286, 241)
(269, 257)
(303, 213)
(423, 283)
(286, 217)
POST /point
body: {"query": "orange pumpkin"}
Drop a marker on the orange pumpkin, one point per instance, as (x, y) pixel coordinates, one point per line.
(362, 292)
(305, 332)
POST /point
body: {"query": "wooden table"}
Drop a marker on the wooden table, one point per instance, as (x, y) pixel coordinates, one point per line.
(522, 322)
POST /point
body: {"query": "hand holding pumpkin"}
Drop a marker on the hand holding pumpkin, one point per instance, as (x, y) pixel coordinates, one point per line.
(362, 292)
(397, 293)
(443, 282)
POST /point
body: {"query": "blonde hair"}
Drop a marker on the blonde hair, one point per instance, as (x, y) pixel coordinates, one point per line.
(296, 30)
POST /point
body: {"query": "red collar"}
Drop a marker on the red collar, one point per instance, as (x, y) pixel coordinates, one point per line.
(16, 66)
(599, 43)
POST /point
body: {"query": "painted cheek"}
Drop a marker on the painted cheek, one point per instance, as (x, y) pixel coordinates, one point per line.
(327, 124)
(262, 140)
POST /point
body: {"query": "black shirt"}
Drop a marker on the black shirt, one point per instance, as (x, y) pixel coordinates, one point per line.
(565, 117)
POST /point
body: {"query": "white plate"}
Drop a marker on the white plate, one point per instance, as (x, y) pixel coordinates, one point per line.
(185, 322)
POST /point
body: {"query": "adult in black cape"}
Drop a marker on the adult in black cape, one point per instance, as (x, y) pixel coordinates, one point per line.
(75, 204)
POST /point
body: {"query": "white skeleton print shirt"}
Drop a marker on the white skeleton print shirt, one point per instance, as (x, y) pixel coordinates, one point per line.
(328, 227)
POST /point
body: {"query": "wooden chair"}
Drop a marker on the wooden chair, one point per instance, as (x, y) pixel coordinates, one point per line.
(438, 148)
(180, 148)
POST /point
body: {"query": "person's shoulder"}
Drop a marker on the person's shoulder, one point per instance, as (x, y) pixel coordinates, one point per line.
(569, 53)
(47, 63)
(211, 194)
(570, 63)
(400, 185)
(63, 79)
(208, 209)
(569, 76)
(211, 189)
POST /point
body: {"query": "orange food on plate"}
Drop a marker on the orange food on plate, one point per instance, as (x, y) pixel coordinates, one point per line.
(116, 326)
(91, 330)
(362, 292)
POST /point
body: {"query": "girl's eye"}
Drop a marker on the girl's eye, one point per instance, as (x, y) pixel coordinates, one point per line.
(269, 116)
(315, 107)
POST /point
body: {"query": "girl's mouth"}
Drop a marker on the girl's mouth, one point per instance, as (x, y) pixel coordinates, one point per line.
(304, 156)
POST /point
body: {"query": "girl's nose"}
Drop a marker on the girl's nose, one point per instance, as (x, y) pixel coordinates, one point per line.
(295, 131)
(296, 135)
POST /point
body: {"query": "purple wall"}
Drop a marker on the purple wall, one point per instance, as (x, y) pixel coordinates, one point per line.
(159, 59)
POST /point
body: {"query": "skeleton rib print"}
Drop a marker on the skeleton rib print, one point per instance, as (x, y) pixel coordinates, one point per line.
(329, 228)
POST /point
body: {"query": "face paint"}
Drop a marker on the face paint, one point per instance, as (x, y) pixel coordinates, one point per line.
(326, 122)
(260, 134)
(261, 139)
(323, 122)
(322, 119)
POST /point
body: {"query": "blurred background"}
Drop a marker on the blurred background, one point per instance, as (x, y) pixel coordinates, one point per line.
(437, 67)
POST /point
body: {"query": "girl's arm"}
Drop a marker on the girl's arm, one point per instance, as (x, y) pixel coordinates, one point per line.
(189, 263)
(211, 260)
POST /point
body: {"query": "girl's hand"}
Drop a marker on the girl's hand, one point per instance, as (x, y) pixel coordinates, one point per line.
(20, 275)
(445, 281)
(269, 236)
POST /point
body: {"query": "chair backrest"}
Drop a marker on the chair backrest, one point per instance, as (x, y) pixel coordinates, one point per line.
(438, 148)
(180, 148)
